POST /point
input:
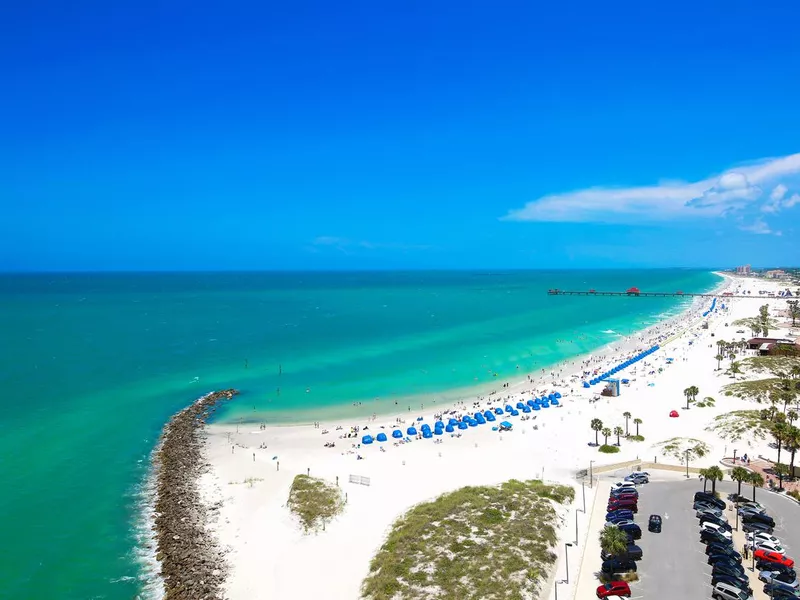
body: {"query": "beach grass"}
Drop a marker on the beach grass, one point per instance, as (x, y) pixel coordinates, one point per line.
(635, 438)
(677, 447)
(314, 501)
(474, 543)
(733, 426)
(759, 390)
(779, 366)
(608, 449)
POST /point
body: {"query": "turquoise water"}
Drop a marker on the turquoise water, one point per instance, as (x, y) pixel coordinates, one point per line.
(91, 367)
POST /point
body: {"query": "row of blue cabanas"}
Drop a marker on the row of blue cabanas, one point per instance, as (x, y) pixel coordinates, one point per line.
(467, 421)
(710, 310)
(619, 367)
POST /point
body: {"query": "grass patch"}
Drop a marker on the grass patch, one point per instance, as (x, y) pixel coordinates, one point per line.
(779, 366)
(608, 449)
(314, 501)
(677, 447)
(707, 402)
(759, 390)
(474, 543)
(735, 425)
(635, 438)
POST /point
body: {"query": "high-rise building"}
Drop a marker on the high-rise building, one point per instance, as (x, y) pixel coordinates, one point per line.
(743, 270)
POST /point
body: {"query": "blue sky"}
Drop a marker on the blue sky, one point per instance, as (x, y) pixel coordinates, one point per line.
(335, 135)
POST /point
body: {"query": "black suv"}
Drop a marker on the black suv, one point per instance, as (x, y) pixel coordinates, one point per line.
(759, 518)
(654, 524)
(618, 565)
(709, 498)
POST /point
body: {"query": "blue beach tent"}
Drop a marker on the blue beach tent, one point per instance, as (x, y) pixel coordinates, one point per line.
(472, 423)
(411, 431)
(427, 434)
(381, 437)
(557, 394)
(487, 413)
(554, 402)
(526, 409)
(509, 408)
(537, 407)
(449, 429)
(490, 417)
(514, 413)
(520, 405)
(397, 433)
(462, 425)
(530, 403)
(438, 431)
(452, 421)
(498, 411)
(367, 439)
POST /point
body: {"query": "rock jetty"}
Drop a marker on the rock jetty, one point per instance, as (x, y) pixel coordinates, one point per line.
(192, 564)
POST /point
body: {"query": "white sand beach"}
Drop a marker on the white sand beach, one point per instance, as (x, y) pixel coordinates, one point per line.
(270, 557)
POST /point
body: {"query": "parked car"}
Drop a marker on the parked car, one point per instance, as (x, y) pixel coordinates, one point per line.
(654, 523)
(764, 545)
(631, 506)
(624, 490)
(773, 557)
(617, 515)
(784, 595)
(765, 565)
(614, 589)
(638, 478)
(758, 518)
(633, 552)
(633, 531)
(754, 505)
(724, 549)
(623, 495)
(721, 521)
(716, 557)
(774, 586)
(786, 578)
(719, 569)
(709, 498)
(760, 536)
(708, 536)
(618, 565)
(726, 591)
(623, 484)
(756, 527)
(620, 522)
(723, 530)
(708, 509)
(741, 583)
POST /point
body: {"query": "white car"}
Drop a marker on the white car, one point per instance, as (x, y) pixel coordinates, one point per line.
(623, 484)
(619, 523)
(718, 529)
(762, 536)
(754, 505)
(755, 545)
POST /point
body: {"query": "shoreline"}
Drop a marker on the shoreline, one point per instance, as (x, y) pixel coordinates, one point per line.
(338, 415)
(192, 564)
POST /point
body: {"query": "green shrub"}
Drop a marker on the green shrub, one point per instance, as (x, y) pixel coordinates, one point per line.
(636, 438)
(607, 449)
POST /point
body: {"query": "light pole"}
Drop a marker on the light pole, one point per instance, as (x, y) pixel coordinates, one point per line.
(567, 546)
(557, 582)
(591, 478)
(583, 486)
(687, 463)
(576, 527)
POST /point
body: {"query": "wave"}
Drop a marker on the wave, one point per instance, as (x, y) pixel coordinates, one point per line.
(609, 331)
(149, 569)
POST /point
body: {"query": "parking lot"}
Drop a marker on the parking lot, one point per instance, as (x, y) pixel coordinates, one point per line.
(674, 563)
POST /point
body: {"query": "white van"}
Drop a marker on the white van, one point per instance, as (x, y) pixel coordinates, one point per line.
(725, 591)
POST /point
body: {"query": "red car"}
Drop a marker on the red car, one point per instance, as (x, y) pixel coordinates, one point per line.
(615, 589)
(773, 557)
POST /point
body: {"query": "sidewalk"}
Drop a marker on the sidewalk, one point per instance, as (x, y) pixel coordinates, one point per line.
(586, 581)
(738, 545)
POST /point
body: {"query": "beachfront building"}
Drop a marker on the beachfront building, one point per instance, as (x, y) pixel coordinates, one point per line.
(775, 274)
(743, 270)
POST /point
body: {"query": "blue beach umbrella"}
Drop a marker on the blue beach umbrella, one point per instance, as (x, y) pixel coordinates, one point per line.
(514, 413)
(411, 431)
(381, 437)
(554, 401)
(490, 417)
(449, 429)
(520, 405)
(526, 409)
(367, 439)
(537, 407)
(427, 434)
(462, 425)
(498, 411)
(397, 433)
(438, 431)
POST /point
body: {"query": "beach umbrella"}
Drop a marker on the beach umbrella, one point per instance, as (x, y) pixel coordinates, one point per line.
(472, 423)
(381, 437)
(586, 384)
(427, 434)
(537, 407)
(487, 413)
(498, 411)
(520, 405)
(367, 439)
(557, 394)
(397, 433)
(462, 425)
(452, 421)
(554, 401)
(509, 408)
(530, 403)
(449, 429)
(526, 409)
(514, 413)
(490, 417)
(411, 431)
(438, 431)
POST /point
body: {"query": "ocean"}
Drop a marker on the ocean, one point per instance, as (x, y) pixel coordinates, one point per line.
(93, 365)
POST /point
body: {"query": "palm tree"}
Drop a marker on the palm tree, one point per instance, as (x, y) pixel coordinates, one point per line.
(781, 470)
(606, 432)
(791, 416)
(779, 431)
(617, 432)
(794, 310)
(756, 480)
(637, 421)
(627, 416)
(740, 474)
(718, 358)
(690, 393)
(613, 540)
(735, 368)
(597, 425)
(712, 474)
(792, 443)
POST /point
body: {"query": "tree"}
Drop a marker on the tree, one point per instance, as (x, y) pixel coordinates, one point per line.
(735, 368)
(756, 480)
(637, 421)
(613, 540)
(596, 425)
(719, 358)
(779, 431)
(618, 432)
(781, 470)
(791, 416)
(794, 310)
(606, 432)
(740, 474)
(792, 443)
(713, 474)
(691, 394)
(627, 416)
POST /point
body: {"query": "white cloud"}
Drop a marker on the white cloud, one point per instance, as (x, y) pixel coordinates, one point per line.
(759, 227)
(733, 190)
(778, 192)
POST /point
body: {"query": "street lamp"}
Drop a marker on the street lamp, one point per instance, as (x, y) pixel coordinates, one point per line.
(557, 582)
(576, 527)
(687, 463)
(591, 478)
(567, 546)
(583, 486)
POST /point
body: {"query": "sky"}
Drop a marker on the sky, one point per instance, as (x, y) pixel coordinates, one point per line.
(398, 135)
